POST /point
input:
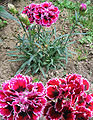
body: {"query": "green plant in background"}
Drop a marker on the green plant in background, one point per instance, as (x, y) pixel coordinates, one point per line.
(3, 23)
(86, 21)
(82, 53)
(87, 39)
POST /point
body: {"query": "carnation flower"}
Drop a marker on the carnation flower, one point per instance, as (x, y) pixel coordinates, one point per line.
(43, 14)
(83, 7)
(21, 99)
(67, 99)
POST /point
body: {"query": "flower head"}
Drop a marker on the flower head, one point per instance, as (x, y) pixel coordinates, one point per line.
(83, 7)
(43, 14)
(21, 99)
(67, 100)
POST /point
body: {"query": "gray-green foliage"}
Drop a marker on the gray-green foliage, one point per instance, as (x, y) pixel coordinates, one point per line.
(3, 23)
(42, 49)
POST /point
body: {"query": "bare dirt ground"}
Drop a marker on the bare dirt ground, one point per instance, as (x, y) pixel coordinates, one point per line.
(8, 69)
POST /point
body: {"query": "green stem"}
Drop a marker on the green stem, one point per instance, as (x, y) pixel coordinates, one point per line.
(72, 30)
(22, 25)
(38, 31)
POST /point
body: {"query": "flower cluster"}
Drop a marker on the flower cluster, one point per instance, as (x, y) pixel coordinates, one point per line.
(21, 99)
(64, 99)
(67, 99)
(43, 14)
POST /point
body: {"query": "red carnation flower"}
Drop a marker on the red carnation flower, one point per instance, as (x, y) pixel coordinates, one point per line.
(50, 112)
(21, 99)
(67, 100)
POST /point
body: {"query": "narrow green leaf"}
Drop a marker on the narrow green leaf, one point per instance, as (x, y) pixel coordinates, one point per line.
(22, 67)
(66, 53)
(28, 70)
(1, 41)
(59, 51)
(41, 69)
(72, 52)
(19, 56)
(71, 43)
(62, 58)
(17, 60)
(31, 58)
(62, 64)
(79, 33)
(13, 51)
(36, 70)
(76, 14)
(37, 45)
(55, 32)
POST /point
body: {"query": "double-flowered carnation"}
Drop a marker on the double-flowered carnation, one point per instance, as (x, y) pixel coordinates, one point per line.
(67, 99)
(62, 99)
(43, 14)
(20, 99)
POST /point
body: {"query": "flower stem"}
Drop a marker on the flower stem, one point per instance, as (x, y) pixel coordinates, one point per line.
(22, 25)
(72, 30)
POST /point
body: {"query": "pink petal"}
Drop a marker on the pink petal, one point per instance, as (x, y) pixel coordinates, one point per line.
(5, 111)
(3, 104)
(2, 95)
(30, 87)
(86, 84)
(52, 92)
(53, 81)
(53, 114)
(39, 87)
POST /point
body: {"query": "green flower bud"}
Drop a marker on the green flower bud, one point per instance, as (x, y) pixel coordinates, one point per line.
(24, 19)
(12, 8)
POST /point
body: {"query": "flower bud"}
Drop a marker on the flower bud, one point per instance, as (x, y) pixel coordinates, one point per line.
(12, 8)
(24, 19)
(83, 7)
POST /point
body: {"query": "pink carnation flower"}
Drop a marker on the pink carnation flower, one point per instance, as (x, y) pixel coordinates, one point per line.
(21, 99)
(83, 7)
(43, 14)
(67, 100)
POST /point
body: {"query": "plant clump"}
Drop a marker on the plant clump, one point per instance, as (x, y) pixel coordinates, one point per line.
(42, 49)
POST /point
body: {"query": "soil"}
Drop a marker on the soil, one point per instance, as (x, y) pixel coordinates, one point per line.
(8, 68)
